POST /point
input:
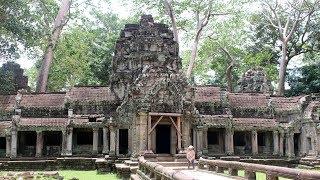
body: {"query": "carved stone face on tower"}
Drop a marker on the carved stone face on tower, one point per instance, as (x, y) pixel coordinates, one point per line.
(144, 49)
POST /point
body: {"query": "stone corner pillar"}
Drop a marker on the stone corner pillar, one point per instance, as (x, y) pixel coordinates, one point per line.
(105, 140)
(254, 142)
(281, 138)
(64, 143)
(39, 145)
(13, 151)
(95, 140)
(8, 146)
(69, 135)
(112, 151)
(229, 147)
(199, 140)
(141, 132)
(275, 143)
(289, 145)
(205, 140)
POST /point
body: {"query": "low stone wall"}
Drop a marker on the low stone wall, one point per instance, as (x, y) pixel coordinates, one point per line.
(272, 172)
(273, 161)
(53, 164)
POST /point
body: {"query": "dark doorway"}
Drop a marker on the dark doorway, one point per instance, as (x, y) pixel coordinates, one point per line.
(2, 146)
(296, 139)
(52, 143)
(123, 141)
(27, 141)
(84, 136)
(213, 137)
(163, 139)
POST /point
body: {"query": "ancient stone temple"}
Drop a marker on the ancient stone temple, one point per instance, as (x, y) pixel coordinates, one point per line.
(149, 108)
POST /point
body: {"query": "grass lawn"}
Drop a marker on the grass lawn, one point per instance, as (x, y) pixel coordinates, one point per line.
(81, 175)
(86, 175)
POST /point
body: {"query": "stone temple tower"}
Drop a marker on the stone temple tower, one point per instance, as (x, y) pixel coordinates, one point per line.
(148, 80)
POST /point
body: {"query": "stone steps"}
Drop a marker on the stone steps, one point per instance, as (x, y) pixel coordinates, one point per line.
(127, 168)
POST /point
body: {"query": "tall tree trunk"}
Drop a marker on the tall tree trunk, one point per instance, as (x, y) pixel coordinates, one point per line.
(59, 22)
(283, 67)
(229, 78)
(229, 69)
(194, 51)
(170, 12)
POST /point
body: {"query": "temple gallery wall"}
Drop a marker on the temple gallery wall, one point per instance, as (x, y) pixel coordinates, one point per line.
(150, 108)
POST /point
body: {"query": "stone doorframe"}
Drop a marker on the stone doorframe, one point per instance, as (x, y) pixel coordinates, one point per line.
(177, 126)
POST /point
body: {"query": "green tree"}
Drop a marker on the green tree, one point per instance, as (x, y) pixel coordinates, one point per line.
(84, 52)
(23, 22)
(304, 80)
(292, 22)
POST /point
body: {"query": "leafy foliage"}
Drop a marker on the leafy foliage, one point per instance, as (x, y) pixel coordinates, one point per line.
(23, 23)
(84, 54)
(304, 80)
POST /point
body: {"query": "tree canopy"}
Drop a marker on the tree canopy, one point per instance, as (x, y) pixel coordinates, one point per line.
(219, 40)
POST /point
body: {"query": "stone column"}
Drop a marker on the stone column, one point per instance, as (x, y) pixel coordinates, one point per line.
(281, 138)
(275, 143)
(149, 134)
(69, 142)
(13, 151)
(303, 143)
(117, 141)
(186, 133)
(142, 131)
(178, 135)
(194, 137)
(229, 141)
(199, 132)
(254, 142)
(130, 140)
(95, 139)
(173, 140)
(39, 145)
(205, 140)
(289, 145)
(64, 143)
(112, 151)
(8, 146)
(105, 141)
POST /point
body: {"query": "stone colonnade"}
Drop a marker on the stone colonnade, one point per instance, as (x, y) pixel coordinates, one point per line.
(280, 141)
(66, 145)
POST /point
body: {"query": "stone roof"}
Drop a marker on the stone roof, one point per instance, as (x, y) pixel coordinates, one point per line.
(207, 94)
(50, 100)
(7, 102)
(90, 94)
(215, 120)
(248, 101)
(255, 122)
(285, 103)
(44, 122)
